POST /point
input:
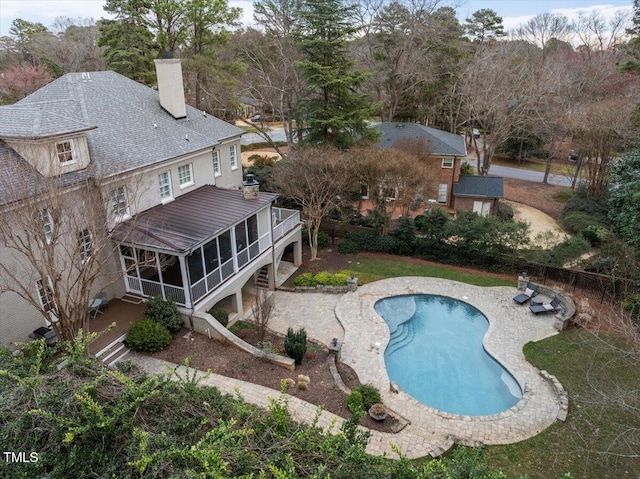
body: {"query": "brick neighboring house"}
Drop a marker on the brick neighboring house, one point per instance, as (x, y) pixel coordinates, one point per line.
(196, 232)
(454, 192)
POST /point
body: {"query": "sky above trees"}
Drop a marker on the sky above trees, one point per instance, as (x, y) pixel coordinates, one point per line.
(513, 13)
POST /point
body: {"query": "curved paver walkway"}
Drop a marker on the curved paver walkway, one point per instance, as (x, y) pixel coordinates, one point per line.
(364, 335)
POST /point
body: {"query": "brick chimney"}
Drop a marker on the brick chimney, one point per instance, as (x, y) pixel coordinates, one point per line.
(250, 187)
(170, 87)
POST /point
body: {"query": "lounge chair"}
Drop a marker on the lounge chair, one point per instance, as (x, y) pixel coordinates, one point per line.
(546, 308)
(527, 295)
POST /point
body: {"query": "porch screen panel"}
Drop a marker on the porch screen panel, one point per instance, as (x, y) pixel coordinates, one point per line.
(226, 254)
(196, 270)
(241, 244)
(211, 259)
(252, 233)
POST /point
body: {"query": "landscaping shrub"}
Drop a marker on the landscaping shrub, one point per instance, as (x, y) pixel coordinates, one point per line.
(347, 246)
(433, 223)
(295, 344)
(148, 336)
(568, 250)
(631, 304)
(323, 240)
(404, 236)
(591, 235)
(221, 316)
(164, 312)
(370, 395)
(322, 278)
(576, 221)
(355, 404)
(304, 279)
(504, 211)
(467, 169)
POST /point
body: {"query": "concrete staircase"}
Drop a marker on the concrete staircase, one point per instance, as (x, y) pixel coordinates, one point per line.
(262, 278)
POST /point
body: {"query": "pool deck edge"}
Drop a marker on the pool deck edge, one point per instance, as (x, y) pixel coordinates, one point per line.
(511, 326)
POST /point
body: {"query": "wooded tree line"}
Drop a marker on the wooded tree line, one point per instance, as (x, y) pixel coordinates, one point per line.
(325, 68)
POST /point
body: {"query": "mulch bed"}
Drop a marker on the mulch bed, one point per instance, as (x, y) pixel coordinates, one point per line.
(227, 360)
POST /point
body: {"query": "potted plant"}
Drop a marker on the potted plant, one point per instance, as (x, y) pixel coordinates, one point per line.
(378, 412)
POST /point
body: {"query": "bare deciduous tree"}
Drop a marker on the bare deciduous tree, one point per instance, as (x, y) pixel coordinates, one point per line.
(262, 310)
(314, 178)
(55, 241)
(499, 87)
(394, 177)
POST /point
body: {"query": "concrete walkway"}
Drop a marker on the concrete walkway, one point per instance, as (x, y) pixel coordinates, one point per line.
(364, 336)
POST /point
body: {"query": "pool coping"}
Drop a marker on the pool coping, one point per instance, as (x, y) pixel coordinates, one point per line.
(511, 326)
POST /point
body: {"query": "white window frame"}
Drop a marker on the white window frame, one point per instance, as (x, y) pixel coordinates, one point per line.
(166, 192)
(47, 224)
(85, 244)
(120, 202)
(233, 157)
(185, 175)
(448, 162)
(443, 189)
(45, 295)
(216, 163)
(67, 155)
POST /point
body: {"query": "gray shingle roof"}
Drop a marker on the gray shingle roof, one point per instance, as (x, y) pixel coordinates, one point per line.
(132, 129)
(38, 122)
(479, 186)
(190, 220)
(442, 142)
(20, 179)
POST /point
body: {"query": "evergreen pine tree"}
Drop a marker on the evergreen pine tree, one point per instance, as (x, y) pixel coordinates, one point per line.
(335, 111)
(128, 40)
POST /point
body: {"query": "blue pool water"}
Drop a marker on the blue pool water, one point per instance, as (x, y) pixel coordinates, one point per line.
(435, 354)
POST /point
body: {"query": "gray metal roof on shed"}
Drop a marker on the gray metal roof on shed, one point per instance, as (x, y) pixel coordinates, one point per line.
(132, 129)
(441, 142)
(190, 219)
(479, 186)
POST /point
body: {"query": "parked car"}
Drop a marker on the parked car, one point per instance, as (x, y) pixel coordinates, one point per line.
(256, 118)
(476, 133)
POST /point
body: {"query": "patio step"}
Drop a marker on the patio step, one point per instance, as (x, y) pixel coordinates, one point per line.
(118, 354)
(132, 298)
(104, 352)
(262, 278)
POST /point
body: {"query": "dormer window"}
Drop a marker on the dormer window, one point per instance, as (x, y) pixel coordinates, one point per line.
(64, 151)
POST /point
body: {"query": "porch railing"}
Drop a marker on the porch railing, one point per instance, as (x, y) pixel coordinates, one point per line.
(216, 277)
(284, 220)
(147, 287)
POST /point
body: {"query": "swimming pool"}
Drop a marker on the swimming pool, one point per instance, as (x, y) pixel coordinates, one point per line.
(435, 354)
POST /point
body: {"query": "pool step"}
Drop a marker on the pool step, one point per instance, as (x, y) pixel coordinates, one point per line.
(402, 336)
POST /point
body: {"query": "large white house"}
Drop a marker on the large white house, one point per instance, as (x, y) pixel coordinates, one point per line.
(182, 222)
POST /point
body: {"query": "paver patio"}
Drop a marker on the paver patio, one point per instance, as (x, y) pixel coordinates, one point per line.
(364, 336)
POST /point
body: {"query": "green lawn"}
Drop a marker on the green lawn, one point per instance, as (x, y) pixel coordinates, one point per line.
(373, 269)
(601, 437)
